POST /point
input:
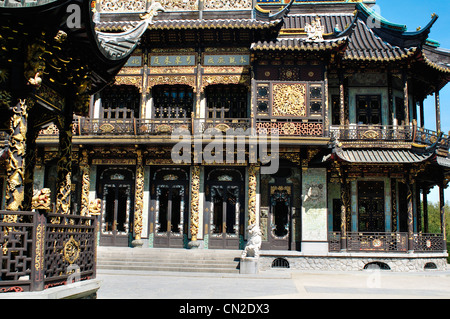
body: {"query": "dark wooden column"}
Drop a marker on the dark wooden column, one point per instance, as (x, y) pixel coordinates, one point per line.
(442, 211)
(409, 199)
(438, 110)
(341, 98)
(422, 115)
(426, 191)
(406, 96)
(345, 203)
(64, 165)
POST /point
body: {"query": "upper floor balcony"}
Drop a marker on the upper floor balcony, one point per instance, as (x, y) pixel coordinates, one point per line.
(388, 136)
(352, 135)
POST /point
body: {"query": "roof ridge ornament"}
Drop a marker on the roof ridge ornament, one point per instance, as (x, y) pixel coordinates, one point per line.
(315, 30)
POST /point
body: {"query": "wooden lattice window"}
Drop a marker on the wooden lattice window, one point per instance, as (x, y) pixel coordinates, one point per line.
(172, 101)
(120, 102)
(368, 109)
(227, 101)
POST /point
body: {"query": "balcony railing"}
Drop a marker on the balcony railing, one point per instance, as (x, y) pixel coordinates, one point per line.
(386, 242)
(376, 135)
(379, 134)
(386, 133)
(290, 127)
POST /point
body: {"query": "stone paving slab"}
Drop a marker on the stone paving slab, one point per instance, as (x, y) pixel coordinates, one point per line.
(274, 285)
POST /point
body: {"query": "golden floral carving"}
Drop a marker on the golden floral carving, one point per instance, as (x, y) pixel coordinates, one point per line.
(16, 160)
(225, 79)
(130, 80)
(189, 80)
(289, 100)
(252, 182)
(139, 193)
(195, 201)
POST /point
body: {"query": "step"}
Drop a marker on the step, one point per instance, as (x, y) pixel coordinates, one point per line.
(166, 259)
(172, 269)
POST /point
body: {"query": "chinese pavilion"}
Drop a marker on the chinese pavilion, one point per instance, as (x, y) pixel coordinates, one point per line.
(330, 91)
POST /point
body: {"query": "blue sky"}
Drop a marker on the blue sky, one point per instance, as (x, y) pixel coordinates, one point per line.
(415, 13)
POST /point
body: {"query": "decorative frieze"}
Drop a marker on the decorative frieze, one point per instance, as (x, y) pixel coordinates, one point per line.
(289, 100)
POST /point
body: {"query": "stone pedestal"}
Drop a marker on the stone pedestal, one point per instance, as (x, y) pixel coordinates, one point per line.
(194, 244)
(137, 243)
(248, 265)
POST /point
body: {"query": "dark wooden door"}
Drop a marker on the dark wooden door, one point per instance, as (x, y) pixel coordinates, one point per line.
(171, 215)
(117, 207)
(280, 217)
(226, 204)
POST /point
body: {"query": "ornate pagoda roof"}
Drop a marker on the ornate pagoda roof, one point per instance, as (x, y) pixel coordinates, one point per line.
(73, 60)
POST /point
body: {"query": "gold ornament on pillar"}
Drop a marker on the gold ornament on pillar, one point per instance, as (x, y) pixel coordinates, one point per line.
(195, 200)
(139, 200)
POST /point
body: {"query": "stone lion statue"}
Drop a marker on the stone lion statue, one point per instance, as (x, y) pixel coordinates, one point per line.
(254, 243)
(41, 199)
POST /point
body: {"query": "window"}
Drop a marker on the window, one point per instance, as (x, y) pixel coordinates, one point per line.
(400, 110)
(368, 109)
(335, 110)
(226, 101)
(172, 101)
(120, 102)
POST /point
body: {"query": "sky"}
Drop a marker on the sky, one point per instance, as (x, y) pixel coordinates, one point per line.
(415, 13)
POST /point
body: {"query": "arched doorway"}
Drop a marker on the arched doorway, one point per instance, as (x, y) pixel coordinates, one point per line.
(169, 207)
(116, 189)
(224, 207)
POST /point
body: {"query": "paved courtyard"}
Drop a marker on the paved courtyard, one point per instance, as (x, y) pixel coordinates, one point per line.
(280, 284)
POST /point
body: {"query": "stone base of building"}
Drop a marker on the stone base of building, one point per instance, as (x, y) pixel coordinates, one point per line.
(395, 262)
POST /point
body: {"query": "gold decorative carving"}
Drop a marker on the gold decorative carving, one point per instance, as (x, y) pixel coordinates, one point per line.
(129, 80)
(63, 197)
(225, 79)
(41, 199)
(370, 134)
(178, 5)
(289, 100)
(85, 183)
(280, 188)
(195, 201)
(225, 69)
(172, 70)
(71, 250)
(114, 161)
(227, 4)
(16, 160)
(139, 196)
(252, 182)
(39, 259)
(123, 6)
(95, 207)
(189, 80)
